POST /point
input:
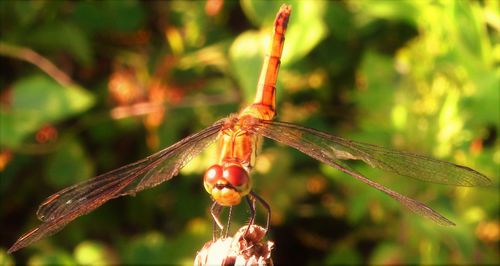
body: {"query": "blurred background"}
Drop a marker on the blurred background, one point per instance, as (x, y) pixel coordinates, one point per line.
(89, 86)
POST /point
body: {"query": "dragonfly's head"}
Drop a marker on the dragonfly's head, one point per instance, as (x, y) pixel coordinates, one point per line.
(227, 184)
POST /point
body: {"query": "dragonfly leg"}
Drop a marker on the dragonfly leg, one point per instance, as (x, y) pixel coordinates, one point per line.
(266, 206)
(251, 205)
(215, 210)
(251, 199)
(230, 212)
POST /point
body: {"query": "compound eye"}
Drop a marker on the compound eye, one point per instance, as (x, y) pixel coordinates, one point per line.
(213, 174)
(236, 176)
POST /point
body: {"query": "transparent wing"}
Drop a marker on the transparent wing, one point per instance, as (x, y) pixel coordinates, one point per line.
(66, 205)
(415, 206)
(402, 163)
(330, 149)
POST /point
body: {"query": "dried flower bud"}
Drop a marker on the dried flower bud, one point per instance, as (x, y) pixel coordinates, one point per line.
(241, 249)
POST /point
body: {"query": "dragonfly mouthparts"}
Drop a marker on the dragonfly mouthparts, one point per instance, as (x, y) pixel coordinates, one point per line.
(221, 185)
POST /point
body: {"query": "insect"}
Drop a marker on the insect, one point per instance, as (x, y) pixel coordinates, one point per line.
(228, 181)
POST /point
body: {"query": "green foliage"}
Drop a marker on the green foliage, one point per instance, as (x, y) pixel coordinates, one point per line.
(90, 253)
(151, 248)
(109, 16)
(345, 256)
(420, 76)
(38, 100)
(52, 258)
(5, 259)
(248, 50)
(68, 165)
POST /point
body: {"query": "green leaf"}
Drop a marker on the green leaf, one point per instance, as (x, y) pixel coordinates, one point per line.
(109, 15)
(404, 10)
(49, 100)
(69, 165)
(305, 30)
(385, 253)
(16, 126)
(246, 55)
(469, 31)
(485, 101)
(26, 12)
(91, 253)
(5, 258)
(344, 256)
(149, 249)
(358, 207)
(38, 100)
(306, 26)
(61, 36)
(261, 13)
(339, 20)
(52, 258)
(379, 79)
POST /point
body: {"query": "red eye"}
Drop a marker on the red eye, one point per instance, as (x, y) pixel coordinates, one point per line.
(236, 175)
(213, 174)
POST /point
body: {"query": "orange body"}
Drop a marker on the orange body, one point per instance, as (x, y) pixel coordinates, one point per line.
(238, 146)
(264, 105)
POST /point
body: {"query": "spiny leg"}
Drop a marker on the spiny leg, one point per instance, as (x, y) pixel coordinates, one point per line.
(230, 212)
(215, 212)
(251, 205)
(266, 206)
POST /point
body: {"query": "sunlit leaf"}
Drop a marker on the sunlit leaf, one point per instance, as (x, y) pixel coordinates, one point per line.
(91, 253)
(16, 126)
(48, 100)
(306, 27)
(405, 10)
(485, 99)
(6, 259)
(52, 258)
(305, 30)
(246, 54)
(38, 100)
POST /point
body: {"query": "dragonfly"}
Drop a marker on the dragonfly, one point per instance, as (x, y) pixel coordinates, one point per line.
(238, 136)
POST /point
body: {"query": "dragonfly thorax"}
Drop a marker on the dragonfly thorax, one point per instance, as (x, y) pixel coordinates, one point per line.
(227, 184)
